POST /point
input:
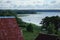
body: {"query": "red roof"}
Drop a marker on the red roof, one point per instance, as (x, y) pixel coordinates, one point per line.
(42, 36)
(9, 29)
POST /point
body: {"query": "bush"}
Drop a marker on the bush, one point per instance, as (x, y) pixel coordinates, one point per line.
(30, 28)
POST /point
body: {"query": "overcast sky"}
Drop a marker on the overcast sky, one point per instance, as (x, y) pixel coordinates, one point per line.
(29, 4)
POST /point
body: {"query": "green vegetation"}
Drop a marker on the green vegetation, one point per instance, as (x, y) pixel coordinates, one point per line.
(51, 24)
(7, 13)
(31, 35)
(30, 28)
(30, 31)
(19, 11)
(51, 29)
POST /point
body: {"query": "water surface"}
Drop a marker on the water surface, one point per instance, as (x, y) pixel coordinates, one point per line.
(37, 18)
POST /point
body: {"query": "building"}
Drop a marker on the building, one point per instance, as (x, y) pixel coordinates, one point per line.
(43, 36)
(9, 29)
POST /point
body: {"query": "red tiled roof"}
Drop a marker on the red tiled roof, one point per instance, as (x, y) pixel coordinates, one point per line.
(9, 29)
(46, 37)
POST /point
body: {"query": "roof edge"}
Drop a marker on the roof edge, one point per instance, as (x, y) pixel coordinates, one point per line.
(7, 16)
(48, 34)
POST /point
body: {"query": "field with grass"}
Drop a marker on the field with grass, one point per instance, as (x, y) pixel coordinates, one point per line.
(31, 35)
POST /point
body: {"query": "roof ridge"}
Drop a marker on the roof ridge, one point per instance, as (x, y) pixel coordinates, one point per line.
(7, 16)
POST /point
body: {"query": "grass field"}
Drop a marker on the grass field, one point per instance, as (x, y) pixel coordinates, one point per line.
(31, 35)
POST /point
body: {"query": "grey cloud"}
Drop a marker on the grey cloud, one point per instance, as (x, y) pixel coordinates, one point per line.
(11, 5)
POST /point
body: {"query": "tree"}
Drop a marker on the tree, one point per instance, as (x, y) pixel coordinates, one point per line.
(30, 28)
(54, 20)
(51, 29)
(7, 13)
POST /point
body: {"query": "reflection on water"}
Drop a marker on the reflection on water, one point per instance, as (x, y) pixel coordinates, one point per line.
(36, 18)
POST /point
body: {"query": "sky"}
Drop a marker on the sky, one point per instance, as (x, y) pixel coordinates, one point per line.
(29, 4)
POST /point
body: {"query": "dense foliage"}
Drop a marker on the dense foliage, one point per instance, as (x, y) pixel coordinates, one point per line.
(7, 13)
(53, 20)
(30, 28)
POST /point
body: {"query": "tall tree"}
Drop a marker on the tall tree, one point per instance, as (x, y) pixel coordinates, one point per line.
(54, 20)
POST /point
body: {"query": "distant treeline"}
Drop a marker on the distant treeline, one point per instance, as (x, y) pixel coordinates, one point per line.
(18, 11)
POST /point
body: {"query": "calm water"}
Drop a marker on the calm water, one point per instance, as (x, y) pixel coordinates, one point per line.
(37, 18)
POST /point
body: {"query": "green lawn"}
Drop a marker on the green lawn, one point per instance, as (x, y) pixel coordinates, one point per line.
(29, 35)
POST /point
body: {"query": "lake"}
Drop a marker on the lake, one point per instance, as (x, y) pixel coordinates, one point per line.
(37, 18)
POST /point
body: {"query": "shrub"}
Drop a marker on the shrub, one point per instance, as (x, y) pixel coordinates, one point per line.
(30, 28)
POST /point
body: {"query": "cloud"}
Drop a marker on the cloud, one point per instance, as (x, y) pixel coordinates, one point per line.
(29, 4)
